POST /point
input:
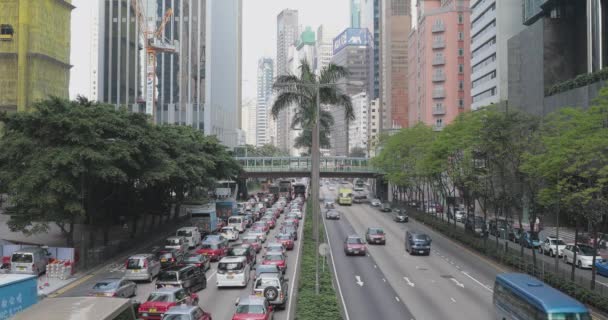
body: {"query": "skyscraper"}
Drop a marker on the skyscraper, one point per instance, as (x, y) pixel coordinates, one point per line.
(265, 78)
(324, 47)
(222, 110)
(287, 33)
(34, 51)
(355, 13)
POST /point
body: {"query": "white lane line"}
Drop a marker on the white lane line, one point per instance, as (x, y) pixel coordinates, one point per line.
(375, 267)
(460, 284)
(410, 283)
(212, 274)
(478, 282)
(453, 300)
(294, 272)
(397, 298)
(358, 280)
(333, 264)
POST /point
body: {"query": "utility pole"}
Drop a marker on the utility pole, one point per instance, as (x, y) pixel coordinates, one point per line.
(315, 158)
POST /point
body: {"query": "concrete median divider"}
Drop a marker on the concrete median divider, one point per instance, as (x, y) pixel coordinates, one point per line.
(310, 306)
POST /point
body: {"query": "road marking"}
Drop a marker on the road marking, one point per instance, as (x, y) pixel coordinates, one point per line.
(604, 284)
(295, 268)
(453, 300)
(71, 286)
(383, 279)
(397, 298)
(359, 282)
(409, 282)
(479, 283)
(212, 274)
(333, 264)
(375, 267)
(460, 284)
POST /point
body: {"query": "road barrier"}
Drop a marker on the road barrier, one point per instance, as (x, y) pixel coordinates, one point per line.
(511, 257)
(310, 306)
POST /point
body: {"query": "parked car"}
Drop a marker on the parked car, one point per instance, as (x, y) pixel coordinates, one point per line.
(460, 215)
(375, 202)
(354, 245)
(475, 225)
(375, 235)
(253, 308)
(276, 258)
(530, 240)
(500, 227)
(161, 300)
(186, 312)
(214, 249)
(114, 287)
(417, 243)
(143, 266)
(601, 267)
(244, 250)
(233, 272)
(332, 215)
(190, 278)
(30, 260)
(286, 239)
(584, 255)
(273, 288)
(230, 233)
(177, 243)
(169, 257)
(551, 245)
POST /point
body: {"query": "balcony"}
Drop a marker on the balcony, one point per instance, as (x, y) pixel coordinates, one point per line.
(438, 94)
(438, 111)
(438, 61)
(438, 28)
(439, 77)
(439, 44)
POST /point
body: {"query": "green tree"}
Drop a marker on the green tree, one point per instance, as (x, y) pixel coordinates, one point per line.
(301, 91)
(358, 152)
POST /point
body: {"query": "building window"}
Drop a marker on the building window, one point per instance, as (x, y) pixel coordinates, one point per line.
(460, 103)
(460, 35)
(6, 32)
(460, 85)
(460, 52)
(460, 18)
(460, 68)
(439, 123)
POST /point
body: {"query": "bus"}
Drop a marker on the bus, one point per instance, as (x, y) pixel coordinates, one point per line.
(285, 188)
(226, 192)
(274, 190)
(521, 296)
(205, 218)
(299, 189)
(90, 308)
(345, 196)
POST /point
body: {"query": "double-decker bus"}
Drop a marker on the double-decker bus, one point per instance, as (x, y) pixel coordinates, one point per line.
(285, 188)
(225, 199)
(521, 296)
(299, 189)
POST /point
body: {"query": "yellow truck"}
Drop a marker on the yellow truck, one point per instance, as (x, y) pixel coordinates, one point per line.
(345, 196)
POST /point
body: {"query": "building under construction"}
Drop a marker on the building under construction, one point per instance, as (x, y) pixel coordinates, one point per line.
(34, 51)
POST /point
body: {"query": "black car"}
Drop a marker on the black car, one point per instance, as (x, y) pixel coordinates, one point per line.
(169, 257)
(417, 243)
(402, 218)
(199, 260)
(386, 207)
(190, 278)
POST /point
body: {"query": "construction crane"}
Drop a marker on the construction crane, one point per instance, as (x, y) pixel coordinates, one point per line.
(154, 43)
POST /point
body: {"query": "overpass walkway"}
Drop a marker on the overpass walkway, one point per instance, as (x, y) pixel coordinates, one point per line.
(331, 167)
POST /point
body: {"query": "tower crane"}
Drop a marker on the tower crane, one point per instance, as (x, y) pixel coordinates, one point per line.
(154, 43)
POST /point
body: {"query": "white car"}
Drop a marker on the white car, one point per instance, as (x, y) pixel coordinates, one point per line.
(178, 243)
(550, 245)
(233, 272)
(230, 233)
(298, 212)
(260, 234)
(584, 255)
(375, 202)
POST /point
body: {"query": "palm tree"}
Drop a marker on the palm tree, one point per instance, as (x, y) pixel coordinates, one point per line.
(302, 91)
(304, 140)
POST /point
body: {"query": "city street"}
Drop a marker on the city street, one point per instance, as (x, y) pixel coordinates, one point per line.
(219, 302)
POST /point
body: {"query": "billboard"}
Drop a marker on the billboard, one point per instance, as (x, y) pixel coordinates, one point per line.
(352, 37)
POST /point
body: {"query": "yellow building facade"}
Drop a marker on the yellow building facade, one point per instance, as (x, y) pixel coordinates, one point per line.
(34, 51)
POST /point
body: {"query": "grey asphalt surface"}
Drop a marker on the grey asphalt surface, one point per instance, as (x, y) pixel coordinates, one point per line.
(219, 302)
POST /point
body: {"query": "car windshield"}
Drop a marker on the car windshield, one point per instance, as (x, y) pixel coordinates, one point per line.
(22, 257)
(193, 258)
(165, 255)
(266, 282)
(421, 237)
(250, 308)
(250, 240)
(159, 297)
(586, 250)
(171, 242)
(559, 242)
(209, 246)
(135, 263)
(274, 257)
(265, 268)
(376, 231)
(228, 266)
(227, 230)
(283, 237)
(354, 241)
(533, 235)
(106, 285)
(167, 276)
(184, 233)
(238, 251)
(570, 316)
(177, 317)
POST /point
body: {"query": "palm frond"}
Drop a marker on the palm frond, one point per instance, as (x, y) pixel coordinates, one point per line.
(285, 100)
(332, 73)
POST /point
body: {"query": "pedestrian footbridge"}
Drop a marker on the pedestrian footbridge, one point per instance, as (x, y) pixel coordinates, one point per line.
(331, 167)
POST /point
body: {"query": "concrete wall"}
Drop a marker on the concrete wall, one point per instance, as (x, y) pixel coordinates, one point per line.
(581, 97)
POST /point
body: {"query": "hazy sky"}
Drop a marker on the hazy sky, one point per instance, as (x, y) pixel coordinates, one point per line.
(260, 29)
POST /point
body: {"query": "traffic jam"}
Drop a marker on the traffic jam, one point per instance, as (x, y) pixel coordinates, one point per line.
(247, 254)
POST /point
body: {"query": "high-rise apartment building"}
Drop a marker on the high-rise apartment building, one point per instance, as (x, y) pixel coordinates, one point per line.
(371, 19)
(352, 50)
(439, 64)
(222, 112)
(34, 51)
(264, 94)
(493, 22)
(287, 34)
(397, 26)
(374, 126)
(358, 129)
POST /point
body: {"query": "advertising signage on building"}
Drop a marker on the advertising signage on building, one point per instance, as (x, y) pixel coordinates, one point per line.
(351, 37)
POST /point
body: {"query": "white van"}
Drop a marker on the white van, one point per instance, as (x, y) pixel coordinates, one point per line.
(233, 272)
(191, 234)
(31, 260)
(238, 223)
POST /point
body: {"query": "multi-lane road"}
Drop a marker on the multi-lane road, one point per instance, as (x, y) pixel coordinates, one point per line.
(219, 302)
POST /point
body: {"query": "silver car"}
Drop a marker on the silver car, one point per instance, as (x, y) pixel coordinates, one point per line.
(114, 287)
(142, 267)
